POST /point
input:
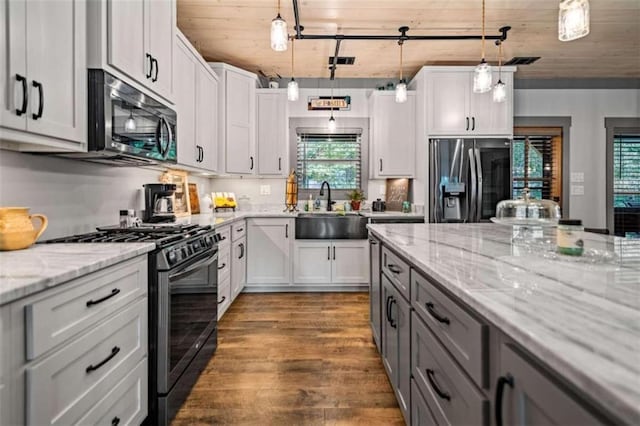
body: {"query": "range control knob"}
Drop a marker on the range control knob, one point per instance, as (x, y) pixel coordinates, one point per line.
(172, 257)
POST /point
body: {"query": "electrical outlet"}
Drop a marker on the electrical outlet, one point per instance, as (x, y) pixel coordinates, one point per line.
(577, 189)
(265, 189)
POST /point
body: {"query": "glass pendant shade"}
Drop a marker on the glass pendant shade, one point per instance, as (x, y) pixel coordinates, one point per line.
(293, 92)
(499, 92)
(573, 19)
(130, 123)
(332, 124)
(401, 92)
(279, 36)
(482, 77)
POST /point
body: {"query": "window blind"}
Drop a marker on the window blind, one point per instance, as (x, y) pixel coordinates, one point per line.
(626, 171)
(334, 157)
(537, 165)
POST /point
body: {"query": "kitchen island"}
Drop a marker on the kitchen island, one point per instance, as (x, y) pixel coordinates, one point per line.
(577, 322)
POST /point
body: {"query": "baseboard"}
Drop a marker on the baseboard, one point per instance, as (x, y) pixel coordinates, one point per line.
(297, 288)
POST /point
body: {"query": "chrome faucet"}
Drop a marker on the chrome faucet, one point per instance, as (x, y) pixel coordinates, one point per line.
(328, 194)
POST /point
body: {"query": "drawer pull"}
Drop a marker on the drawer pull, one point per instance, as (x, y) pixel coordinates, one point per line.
(503, 380)
(436, 315)
(394, 268)
(109, 296)
(115, 421)
(239, 229)
(222, 266)
(434, 385)
(222, 300)
(113, 353)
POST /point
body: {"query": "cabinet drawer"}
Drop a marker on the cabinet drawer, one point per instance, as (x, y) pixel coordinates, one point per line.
(397, 270)
(464, 336)
(57, 317)
(62, 387)
(224, 296)
(224, 264)
(225, 237)
(420, 412)
(451, 396)
(238, 230)
(126, 404)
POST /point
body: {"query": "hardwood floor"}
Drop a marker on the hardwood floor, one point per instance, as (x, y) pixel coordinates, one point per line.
(294, 359)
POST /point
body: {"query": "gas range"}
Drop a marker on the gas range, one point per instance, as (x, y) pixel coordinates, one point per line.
(176, 243)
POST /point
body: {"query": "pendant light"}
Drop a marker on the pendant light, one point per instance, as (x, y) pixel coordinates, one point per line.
(499, 90)
(482, 74)
(130, 123)
(332, 121)
(279, 36)
(401, 87)
(293, 92)
(573, 19)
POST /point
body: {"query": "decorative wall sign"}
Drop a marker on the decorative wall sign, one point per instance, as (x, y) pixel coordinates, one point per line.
(326, 103)
(397, 191)
(194, 199)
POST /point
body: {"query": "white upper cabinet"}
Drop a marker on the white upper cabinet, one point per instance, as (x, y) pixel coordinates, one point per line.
(453, 109)
(393, 135)
(135, 39)
(196, 97)
(237, 119)
(272, 139)
(43, 73)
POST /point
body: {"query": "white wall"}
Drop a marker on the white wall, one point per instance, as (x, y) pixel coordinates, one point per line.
(587, 109)
(76, 196)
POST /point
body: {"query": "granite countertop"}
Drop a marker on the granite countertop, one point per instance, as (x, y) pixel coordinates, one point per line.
(582, 319)
(25, 272)
(226, 218)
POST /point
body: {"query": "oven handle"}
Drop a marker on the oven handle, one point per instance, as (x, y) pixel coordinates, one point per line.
(192, 268)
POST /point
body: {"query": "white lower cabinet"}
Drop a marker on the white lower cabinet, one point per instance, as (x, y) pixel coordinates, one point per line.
(238, 267)
(331, 262)
(74, 356)
(269, 242)
(224, 296)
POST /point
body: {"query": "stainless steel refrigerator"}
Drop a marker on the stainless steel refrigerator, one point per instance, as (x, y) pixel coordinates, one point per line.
(467, 178)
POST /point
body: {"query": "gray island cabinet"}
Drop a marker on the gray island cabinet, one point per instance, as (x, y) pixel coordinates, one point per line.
(474, 330)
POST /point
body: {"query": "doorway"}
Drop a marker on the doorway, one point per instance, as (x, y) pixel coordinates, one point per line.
(623, 176)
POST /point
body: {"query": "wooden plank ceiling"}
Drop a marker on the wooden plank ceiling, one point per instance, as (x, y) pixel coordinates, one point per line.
(237, 32)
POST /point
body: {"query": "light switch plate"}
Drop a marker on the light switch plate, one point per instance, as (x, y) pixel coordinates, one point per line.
(577, 189)
(265, 189)
(577, 177)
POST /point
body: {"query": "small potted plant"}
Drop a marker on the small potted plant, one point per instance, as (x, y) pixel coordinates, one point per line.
(356, 196)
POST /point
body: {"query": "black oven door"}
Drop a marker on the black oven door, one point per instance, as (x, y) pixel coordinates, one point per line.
(187, 315)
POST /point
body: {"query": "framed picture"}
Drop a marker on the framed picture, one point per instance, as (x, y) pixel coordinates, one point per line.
(181, 206)
(194, 199)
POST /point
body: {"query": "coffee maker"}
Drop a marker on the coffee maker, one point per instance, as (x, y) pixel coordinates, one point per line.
(158, 202)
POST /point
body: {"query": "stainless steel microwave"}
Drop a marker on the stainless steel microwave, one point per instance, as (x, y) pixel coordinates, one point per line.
(126, 126)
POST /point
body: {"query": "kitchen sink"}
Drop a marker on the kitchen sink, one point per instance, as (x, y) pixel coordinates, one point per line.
(330, 226)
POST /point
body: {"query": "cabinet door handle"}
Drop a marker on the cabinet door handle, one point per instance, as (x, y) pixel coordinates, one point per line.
(222, 300)
(279, 163)
(328, 252)
(251, 168)
(115, 421)
(155, 77)
(107, 297)
(387, 308)
(473, 123)
(381, 164)
(38, 85)
(222, 266)
(241, 251)
(394, 268)
(23, 107)
(467, 118)
(334, 252)
(502, 380)
(393, 322)
(437, 316)
(113, 353)
(286, 230)
(435, 387)
(150, 65)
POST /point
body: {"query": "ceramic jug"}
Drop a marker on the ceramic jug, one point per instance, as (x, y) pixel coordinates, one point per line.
(16, 229)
